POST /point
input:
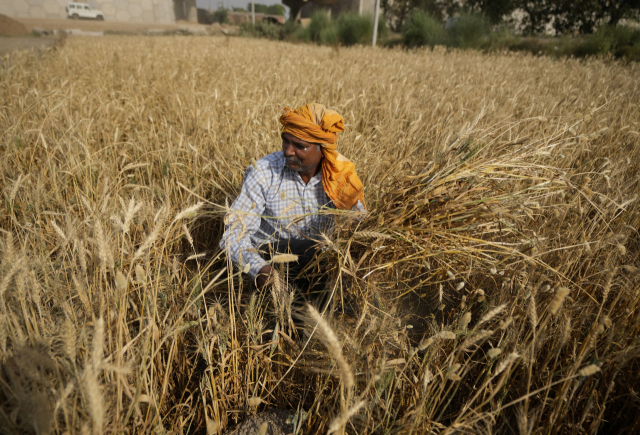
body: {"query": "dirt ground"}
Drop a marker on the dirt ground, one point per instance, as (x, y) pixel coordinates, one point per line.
(28, 42)
(10, 27)
(8, 45)
(96, 26)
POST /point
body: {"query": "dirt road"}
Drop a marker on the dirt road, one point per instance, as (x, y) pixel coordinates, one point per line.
(97, 26)
(8, 45)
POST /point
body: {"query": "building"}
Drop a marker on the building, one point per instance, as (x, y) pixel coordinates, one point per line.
(185, 10)
(125, 11)
(169, 11)
(305, 8)
(245, 17)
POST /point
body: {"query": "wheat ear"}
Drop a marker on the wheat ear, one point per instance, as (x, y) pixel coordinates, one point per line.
(330, 340)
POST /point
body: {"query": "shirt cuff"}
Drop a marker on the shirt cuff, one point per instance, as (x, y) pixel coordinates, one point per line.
(254, 270)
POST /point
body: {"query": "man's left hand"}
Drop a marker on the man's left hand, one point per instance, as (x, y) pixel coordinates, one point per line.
(264, 276)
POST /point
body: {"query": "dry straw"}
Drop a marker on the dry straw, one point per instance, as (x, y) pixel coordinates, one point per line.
(489, 315)
(492, 353)
(464, 320)
(284, 258)
(330, 340)
(558, 299)
(589, 370)
(110, 146)
(447, 335)
(141, 275)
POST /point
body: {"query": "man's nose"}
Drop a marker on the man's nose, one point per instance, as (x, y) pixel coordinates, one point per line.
(288, 150)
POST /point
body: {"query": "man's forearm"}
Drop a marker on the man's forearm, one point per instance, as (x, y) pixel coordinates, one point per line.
(256, 264)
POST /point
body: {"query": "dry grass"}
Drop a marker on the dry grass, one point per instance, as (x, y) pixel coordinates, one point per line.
(496, 273)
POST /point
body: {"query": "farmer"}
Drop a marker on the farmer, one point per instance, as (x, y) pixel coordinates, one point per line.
(287, 197)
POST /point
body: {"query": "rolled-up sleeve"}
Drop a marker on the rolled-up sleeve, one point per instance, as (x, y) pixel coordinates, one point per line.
(243, 221)
(359, 207)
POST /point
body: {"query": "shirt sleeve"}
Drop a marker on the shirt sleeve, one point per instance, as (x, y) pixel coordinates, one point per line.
(359, 207)
(243, 221)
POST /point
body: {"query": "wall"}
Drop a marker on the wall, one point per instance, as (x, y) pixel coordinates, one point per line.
(245, 17)
(363, 7)
(185, 10)
(124, 11)
(368, 7)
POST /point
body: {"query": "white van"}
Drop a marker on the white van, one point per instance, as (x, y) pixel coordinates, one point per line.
(75, 11)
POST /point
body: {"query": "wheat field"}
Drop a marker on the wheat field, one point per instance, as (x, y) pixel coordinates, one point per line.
(495, 275)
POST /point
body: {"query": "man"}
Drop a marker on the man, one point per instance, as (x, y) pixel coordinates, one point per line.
(287, 196)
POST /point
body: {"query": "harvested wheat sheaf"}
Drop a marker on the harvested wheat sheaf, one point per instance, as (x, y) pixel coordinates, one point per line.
(491, 179)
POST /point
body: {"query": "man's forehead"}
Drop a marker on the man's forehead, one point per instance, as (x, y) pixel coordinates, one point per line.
(296, 140)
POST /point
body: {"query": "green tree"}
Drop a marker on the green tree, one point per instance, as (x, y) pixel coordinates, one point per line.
(493, 10)
(422, 29)
(276, 9)
(467, 31)
(585, 16)
(320, 22)
(354, 28)
(538, 14)
(398, 12)
(221, 16)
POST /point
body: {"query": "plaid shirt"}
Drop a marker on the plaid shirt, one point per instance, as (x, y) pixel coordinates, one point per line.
(274, 204)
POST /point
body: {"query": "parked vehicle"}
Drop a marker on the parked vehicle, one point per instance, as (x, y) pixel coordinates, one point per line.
(76, 11)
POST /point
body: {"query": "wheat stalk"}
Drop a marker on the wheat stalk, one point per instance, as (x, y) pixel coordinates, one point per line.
(489, 315)
(528, 194)
(330, 340)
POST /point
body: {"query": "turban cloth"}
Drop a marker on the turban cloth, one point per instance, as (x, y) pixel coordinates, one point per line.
(316, 124)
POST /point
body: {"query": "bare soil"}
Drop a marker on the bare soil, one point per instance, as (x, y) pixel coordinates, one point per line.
(11, 27)
(20, 30)
(97, 26)
(8, 45)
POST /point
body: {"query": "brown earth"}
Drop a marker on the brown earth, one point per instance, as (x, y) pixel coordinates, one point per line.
(11, 27)
(18, 43)
(19, 27)
(97, 26)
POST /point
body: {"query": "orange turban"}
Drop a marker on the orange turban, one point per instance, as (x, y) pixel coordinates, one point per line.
(314, 123)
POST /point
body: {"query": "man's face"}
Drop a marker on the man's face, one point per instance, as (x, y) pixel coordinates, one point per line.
(301, 156)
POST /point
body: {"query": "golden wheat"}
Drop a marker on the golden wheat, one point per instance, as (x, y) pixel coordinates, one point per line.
(490, 180)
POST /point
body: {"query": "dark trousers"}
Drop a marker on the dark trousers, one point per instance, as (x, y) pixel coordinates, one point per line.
(311, 286)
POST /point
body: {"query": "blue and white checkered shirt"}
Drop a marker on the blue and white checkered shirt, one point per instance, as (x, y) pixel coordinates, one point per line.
(274, 204)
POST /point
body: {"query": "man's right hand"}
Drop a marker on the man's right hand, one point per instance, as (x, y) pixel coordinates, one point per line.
(263, 276)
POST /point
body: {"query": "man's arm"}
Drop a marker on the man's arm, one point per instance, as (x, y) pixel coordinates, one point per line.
(243, 220)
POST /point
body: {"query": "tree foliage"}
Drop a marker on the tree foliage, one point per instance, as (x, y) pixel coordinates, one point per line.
(493, 10)
(220, 16)
(584, 16)
(564, 16)
(399, 12)
(276, 9)
(538, 14)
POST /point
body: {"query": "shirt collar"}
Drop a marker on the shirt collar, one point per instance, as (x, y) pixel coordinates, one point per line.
(315, 179)
(312, 182)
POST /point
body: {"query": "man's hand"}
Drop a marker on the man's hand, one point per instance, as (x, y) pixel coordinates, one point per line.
(263, 276)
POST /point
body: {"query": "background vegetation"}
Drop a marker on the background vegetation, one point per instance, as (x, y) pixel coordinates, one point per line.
(348, 29)
(584, 28)
(495, 276)
(275, 9)
(473, 31)
(563, 16)
(221, 15)
(589, 28)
